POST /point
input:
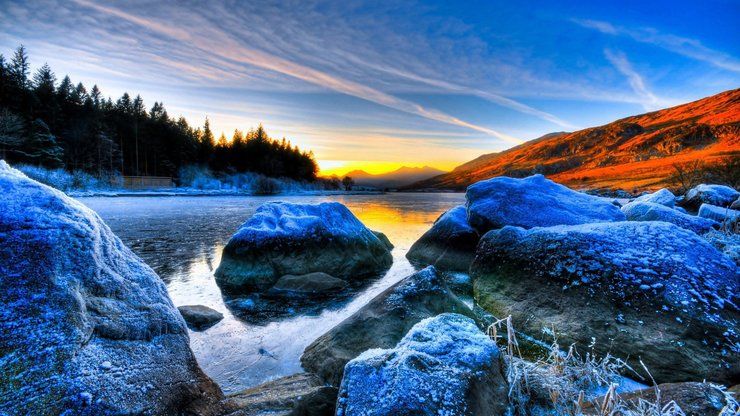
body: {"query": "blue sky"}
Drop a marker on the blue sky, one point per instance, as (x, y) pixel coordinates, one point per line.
(383, 84)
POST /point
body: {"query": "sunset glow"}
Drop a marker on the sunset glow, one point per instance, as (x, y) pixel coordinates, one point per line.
(426, 84)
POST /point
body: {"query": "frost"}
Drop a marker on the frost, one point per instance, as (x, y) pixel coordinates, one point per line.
(295, 221)
(433, 369)
(76, 300)
(649, 211)
(662, 197)
(718, 214)
(711, 194)
(533, 202)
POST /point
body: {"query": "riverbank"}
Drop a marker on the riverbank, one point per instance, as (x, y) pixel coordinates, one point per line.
(206, 192)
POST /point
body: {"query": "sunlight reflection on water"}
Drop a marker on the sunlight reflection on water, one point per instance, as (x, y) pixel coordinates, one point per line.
(181, 238)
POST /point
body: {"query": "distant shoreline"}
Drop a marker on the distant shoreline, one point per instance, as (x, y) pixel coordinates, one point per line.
(204, 192)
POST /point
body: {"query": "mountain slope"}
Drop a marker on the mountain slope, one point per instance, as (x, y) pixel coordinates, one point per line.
(396, 179)
(638, 151)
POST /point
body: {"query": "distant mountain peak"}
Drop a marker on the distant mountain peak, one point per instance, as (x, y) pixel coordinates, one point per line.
(634, 152)
(395, 179)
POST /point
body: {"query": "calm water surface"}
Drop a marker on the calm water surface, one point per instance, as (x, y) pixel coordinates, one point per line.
(181, 238)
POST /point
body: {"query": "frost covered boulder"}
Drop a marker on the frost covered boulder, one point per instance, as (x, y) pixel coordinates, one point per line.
(282, 238)
(719, 195)
(449, 244)
(719, 214)
(443, 366)
(650, 211)
(533, 202)
(85, 326)
(381, 323)
(647, 290)
(662, 197)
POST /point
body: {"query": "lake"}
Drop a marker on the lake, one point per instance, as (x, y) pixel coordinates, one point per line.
(181, 238)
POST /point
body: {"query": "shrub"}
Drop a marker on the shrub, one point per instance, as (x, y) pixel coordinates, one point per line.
(264, 186)
(63, 180)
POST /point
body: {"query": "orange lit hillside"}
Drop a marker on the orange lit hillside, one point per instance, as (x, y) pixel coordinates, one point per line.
(634, 152)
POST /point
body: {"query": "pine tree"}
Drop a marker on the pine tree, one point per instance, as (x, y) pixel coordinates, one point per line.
(95, 94)
(78, 94)
(44, 89)
(42, 148)
(124, 104)
(64, 90)
(3, 77)
(11, 131)
(44, 81)
(20, 67)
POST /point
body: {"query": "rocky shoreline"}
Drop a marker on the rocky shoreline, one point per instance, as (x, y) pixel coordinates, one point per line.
(88, 328)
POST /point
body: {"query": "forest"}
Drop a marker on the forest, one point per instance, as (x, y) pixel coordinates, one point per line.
(62, 125)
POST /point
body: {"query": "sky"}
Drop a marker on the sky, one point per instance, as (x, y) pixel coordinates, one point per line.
(377, 85)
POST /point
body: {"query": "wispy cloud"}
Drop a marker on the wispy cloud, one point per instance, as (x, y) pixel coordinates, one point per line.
(623, 65)
(495, 98)
(221, 44)
(690, 48)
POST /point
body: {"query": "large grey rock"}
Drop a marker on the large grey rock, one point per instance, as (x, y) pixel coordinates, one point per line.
(307, 285)
(648, 290)
(649, 211)
(300, 394)
(85, 326)
(444, 366)
(381, 323)
(199, 317)
(282, 238)
(662, 197)
(533, 202)
(449, 244)
(719, 195)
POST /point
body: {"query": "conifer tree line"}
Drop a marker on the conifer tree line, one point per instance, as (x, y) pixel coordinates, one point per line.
(59, 124)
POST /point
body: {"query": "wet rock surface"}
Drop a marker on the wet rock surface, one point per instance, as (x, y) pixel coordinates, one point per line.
(307, 285)
(381, 323)
(296, 239)
(199, 317)
(449, 244)
(648, 290)
(296, 395)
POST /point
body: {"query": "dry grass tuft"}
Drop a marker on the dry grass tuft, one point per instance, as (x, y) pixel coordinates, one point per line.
(560, 383)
